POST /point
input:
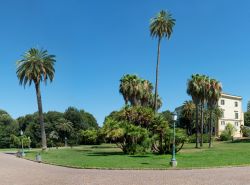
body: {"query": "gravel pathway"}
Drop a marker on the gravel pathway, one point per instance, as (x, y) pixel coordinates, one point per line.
(15, 171)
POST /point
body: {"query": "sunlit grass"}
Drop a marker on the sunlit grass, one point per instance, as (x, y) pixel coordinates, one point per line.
(109, 156)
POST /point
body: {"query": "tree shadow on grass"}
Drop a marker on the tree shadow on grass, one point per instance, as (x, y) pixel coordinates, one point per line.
(245, 140)
(105, 153)
(138, 156)
(104, 147)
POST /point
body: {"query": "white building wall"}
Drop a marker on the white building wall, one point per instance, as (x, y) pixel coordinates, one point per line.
(230, 109)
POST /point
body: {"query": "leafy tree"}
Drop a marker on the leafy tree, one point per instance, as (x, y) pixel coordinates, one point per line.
(138, 115)
(8, 127)
(37, 66)
(247, 118)
(53, 138)
(161, 26)
(17, 141)
(63, 127)
(167, 115)
(88, 120)
(80, 119)
(91, 136)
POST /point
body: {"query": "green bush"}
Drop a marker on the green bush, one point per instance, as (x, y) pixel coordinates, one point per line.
(90, 136)
(130, 138)
(228, 133)
(245, 131)
(225, 136)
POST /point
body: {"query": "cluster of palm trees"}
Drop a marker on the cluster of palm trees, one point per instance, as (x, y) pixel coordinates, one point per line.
(37, 66)
(205, 93)
(137, 91)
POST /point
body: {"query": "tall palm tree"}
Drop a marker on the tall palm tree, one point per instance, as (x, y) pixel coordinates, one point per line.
(161, 26)
(205, 87)
(212, 102)
(37, 66)
(194, 89)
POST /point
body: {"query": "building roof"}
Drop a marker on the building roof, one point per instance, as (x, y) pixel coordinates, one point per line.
(226, 95)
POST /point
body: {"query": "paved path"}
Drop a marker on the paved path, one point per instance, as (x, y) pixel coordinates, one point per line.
(15, 171)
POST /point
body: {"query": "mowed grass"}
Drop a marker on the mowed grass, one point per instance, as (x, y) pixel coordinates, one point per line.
(108, 156)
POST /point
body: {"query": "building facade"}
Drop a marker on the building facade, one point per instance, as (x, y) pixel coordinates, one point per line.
(231, 106)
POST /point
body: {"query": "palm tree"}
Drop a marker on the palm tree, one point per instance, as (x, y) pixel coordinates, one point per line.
(137, 91)
(205, 87)
(161, 26)
(188, 112)
(194, 89)
(130, 86)
(213, 98)
(37, 66)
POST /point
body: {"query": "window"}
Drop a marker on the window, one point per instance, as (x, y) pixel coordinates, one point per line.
(236, 124)
(222, 123)
(236, 115)
(222, 115)
(236, 104)
(222, 102)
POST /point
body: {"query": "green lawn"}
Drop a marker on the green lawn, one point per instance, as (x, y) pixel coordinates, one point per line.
(8, 149)
(108, 156)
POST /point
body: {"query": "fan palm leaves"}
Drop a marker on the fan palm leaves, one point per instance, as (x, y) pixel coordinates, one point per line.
(137, 91)
(37, 66)
(204, 91)
(212, 102)
(194, 89)
(160, 26)
(205, 88)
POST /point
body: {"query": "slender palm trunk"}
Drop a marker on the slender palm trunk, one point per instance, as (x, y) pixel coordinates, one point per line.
(157, 72)
(160, 144)
(41, 119)
(196, 126)
(202, 124)
(210, 129)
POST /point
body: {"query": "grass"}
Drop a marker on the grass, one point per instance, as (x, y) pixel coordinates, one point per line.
(8, 149)
(110, 157)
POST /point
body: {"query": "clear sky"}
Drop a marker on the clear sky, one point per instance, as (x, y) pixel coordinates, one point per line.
(97, 41)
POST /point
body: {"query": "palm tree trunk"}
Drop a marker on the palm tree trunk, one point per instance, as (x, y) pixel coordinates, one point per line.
(196, 126)
(210, 129)
(202, 124)
(41, 119)
(157, 72)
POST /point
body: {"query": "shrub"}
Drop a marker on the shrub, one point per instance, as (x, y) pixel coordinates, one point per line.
(245, 131)
(225, 136)
(129, 137)
(228, 133)
(162, 139)
(90, 136)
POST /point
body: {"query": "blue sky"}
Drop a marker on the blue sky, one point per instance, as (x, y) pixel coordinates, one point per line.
(96, 42)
